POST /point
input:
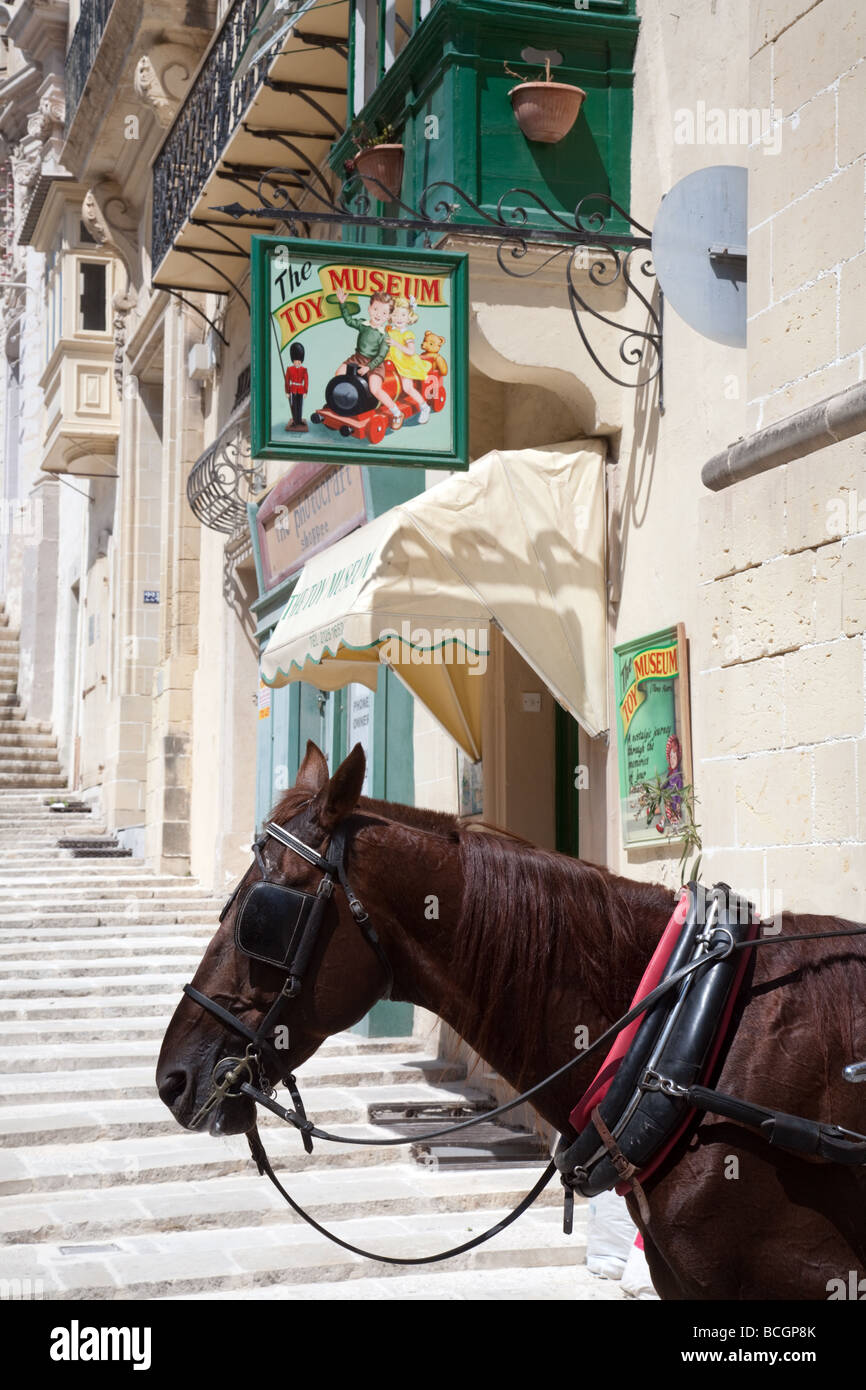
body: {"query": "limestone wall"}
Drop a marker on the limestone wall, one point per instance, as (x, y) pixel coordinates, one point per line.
(783, 565)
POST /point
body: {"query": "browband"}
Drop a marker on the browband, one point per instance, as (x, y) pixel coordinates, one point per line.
(292, 842)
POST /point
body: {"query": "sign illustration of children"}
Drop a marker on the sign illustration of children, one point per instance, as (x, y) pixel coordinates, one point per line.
(371, 348)
(297, 385)
(410, 366)
(674, 780)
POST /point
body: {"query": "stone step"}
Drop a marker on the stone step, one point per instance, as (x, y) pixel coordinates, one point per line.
(15, 714)
(145, 976)
(85, 1055)
(107, 917)
(130, 930)
(107, 898)
(30, 779)
(129, 936)
(126, 1082)
(21, 756)
(83, 1122)
(102, 1003)
(20, 760)
(182, 1262)
(60, 1032)
(59, 872)
(45, 836)
(180, 1156)
(228, 1203)
(132, 956)
(562, 1283)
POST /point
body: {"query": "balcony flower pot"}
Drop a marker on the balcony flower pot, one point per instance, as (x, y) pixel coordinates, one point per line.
(546, 111)
(380, 167)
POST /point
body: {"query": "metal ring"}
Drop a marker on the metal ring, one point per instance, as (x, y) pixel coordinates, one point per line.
(729, 934)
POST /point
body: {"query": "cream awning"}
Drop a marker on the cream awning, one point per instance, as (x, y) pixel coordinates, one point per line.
(518, 541)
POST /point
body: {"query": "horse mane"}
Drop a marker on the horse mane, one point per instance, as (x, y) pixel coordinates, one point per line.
(528, 915)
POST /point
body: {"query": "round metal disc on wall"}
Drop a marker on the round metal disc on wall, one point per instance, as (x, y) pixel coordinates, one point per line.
(699, 251)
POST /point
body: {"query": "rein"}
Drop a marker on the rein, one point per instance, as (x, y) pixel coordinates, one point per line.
(826, 1141)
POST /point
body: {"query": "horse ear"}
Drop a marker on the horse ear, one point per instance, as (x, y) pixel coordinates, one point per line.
(340, 797)
(313, 772)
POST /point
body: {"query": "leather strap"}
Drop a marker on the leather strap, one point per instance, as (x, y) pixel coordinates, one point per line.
(625, 1169)
(785, 1131)
(263, 1163)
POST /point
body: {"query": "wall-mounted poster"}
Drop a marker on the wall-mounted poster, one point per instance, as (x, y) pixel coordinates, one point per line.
(359, 354)
(651, 683)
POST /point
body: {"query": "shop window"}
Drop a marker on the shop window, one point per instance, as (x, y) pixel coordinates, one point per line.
(92, 296)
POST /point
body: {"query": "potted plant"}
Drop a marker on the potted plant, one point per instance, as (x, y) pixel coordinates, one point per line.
(545, 110)
(378, 161)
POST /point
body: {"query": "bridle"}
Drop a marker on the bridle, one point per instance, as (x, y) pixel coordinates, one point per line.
(281, 925)
(287, 942)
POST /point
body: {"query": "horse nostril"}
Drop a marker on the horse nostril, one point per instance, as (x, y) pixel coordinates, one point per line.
(172, 1088)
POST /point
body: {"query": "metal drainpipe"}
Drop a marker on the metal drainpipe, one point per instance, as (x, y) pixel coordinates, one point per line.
(817, 426)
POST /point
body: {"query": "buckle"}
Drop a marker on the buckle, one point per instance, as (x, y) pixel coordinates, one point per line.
(652, 1081)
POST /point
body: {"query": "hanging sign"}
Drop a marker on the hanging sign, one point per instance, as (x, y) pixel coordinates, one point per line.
(359, 353)
(309, 509)
(651, 683)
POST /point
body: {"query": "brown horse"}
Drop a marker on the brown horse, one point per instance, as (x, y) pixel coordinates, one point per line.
(515, 948)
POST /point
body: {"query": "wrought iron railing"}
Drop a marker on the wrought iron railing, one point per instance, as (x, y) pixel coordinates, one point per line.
(82, 51)
(213, 108)
(224, 476)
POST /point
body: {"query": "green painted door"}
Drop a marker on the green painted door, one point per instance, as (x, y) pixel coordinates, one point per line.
(568, 776)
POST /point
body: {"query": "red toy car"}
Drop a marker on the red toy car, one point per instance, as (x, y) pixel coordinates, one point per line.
(353, 410)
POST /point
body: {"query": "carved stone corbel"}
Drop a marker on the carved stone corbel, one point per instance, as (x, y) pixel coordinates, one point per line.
(160, 78)
(113, 222)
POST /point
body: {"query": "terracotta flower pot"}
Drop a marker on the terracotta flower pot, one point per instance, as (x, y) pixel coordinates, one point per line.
(383, 163)
(546, 111)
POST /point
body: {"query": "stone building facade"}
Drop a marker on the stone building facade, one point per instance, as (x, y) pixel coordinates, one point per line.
(139, 633)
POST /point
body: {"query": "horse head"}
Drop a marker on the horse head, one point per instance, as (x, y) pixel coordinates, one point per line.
(342, 979)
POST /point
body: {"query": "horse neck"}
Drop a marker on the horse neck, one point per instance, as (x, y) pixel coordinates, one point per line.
(514, 948)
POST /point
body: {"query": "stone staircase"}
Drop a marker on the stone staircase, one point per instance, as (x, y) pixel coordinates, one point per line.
(102, 1196)
(28, 750)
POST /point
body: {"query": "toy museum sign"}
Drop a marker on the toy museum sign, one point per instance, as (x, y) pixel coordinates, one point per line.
(359, 354)
(651, 680)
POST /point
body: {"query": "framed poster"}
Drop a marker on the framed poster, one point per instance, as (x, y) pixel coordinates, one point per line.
(651, 684)
(359, 354)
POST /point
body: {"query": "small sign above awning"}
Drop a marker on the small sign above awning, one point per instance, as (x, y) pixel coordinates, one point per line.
(517, 541)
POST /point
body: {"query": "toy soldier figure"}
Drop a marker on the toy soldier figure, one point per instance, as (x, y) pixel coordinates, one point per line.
(297, 386)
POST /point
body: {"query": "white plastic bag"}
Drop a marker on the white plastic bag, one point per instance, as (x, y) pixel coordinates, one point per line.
(636, 1281)
(610, 1234)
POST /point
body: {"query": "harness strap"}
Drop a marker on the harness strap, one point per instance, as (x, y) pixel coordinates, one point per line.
(785, 1131)
(230, 1020)
(625, 1169)
(303, 1124)
(263, 1163)
(292, 1088)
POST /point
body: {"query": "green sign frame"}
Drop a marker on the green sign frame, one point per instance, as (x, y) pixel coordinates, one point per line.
(411, 407)
(653, 727)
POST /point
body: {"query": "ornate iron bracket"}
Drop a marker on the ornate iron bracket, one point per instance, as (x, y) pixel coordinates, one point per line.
(217, 479)
(592, 257)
